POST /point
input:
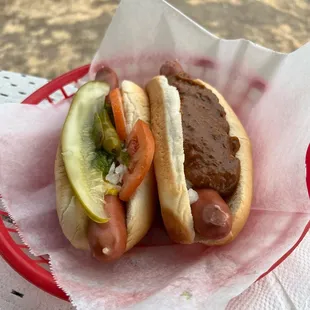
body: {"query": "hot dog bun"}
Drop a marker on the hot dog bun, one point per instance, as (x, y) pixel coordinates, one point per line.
(140, 209)
(169, 160)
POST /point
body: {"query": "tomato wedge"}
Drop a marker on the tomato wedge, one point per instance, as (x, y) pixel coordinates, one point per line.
(141, 147)
(118, 113)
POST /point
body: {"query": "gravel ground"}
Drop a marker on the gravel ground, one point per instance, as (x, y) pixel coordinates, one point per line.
(49, 37)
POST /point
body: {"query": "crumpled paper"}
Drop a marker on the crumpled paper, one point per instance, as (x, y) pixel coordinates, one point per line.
(269, 92)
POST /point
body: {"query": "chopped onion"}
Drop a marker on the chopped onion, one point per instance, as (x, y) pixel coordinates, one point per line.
(116, 174)
(193, 196)
(121, 169)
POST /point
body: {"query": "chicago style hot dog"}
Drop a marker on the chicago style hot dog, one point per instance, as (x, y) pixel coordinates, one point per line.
(203, 161)
(105, 182)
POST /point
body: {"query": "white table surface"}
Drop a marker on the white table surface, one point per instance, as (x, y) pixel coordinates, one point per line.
(287, 287)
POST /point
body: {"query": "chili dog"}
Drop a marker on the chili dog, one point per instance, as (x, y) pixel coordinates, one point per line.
(203, 161)
(128, 200)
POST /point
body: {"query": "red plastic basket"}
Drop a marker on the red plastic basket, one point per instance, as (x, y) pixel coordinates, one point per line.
(35, 269)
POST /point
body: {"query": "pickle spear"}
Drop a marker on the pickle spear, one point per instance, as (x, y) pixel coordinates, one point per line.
(79, 149)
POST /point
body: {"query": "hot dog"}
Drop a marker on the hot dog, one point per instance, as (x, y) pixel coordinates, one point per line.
(126, 178)
(203, 161)
(106, 74)
(108, 240)
(211, 214)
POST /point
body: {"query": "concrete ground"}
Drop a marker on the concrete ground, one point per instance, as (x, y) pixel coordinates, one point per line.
(49, 37)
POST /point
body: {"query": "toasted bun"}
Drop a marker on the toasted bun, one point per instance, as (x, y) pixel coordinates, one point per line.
(141, 207)
(169, 164)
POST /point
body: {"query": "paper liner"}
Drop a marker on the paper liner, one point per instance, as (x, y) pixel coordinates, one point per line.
(270, 94)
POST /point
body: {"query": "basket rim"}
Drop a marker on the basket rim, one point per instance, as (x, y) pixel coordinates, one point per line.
(16, 258)
(25, 266)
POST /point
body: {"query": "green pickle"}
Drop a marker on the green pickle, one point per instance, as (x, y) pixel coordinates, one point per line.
(84, 163)
(104, 134)
(98, 133)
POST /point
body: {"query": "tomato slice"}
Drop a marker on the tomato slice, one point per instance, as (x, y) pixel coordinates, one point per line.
(118, 113)
(141, 147)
